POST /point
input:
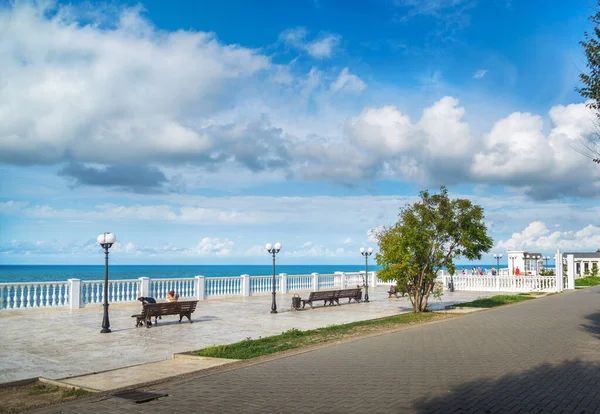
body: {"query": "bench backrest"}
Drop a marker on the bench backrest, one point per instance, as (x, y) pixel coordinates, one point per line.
(349, 293)
(169, 308)
(322, 295)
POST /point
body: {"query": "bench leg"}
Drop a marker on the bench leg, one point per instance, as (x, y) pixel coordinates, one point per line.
(187, 315)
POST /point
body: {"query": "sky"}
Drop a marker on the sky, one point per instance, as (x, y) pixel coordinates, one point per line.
(198, 131)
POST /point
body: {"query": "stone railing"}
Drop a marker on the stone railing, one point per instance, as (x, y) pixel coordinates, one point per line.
(76, 293)
(503, 283)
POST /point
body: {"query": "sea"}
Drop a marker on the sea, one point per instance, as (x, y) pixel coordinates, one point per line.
(57, 273)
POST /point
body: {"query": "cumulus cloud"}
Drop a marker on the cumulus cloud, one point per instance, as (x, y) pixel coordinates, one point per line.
(321, 47)
(537, 236)
(121, 104)
(119, 94)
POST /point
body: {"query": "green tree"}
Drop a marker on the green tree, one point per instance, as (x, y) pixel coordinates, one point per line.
(591, 82)
(429, 235)
(594, 270)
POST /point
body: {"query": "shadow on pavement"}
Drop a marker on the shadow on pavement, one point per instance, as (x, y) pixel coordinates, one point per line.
(571, 386)
(593, 326)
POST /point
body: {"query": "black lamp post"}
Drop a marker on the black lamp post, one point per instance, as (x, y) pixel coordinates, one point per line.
(273, 250)
(366, 253)
(106, 240)
(546, 260)
(498, 256)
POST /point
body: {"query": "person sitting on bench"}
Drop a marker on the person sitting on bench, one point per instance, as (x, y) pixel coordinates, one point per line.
(393, 291)
(172, 296)
(146, 300)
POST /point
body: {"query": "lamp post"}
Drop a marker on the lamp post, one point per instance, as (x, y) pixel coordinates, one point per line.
(273, 250)
(366, 253)
(498, 256)
(546, 260)
(106, 240)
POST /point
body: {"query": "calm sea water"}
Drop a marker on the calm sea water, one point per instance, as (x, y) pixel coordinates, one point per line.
(47, 273)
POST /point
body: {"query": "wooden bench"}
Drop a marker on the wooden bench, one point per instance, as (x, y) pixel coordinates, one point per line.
(350, 294)
(183, 308)
(331, 296)
(324, 295)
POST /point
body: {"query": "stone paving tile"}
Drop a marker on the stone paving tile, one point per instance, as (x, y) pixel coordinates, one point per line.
(66, 343)
(530, 357)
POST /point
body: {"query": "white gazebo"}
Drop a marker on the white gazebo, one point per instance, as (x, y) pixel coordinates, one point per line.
(529, 263)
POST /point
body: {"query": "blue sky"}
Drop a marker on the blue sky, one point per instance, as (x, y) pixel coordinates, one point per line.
(199, 131)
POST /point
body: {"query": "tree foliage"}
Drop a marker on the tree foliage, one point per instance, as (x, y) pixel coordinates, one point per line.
(591, 82)
(428, 236)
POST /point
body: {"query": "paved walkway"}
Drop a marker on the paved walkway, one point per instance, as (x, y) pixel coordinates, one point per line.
(57, 343)
(537, 356)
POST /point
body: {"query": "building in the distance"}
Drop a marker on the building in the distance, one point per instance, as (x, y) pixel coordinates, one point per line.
(529, 263)
(582, 262)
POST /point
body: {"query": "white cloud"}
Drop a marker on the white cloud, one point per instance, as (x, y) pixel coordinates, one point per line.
(537, 236)
(123, 93)
(347, 81)
(347, 240)
(307, 244)
(322, 47)
(480, 74)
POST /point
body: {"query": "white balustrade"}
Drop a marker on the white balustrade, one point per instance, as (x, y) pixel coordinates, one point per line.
(326, 282)
(34, 295)
(160, 288)
(76, 293)
(223, 286)
(505, 283)
(299, 282)
(264, 284)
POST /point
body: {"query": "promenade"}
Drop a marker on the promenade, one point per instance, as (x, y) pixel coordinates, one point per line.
(536, 356)
(59, 343)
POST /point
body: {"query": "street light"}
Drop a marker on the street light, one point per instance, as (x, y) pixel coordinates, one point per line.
(546, 259)
(273, 250)
(106, 240)
(366, 253)
(498, 256)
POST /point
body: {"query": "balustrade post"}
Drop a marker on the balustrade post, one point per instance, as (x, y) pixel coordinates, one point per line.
(570, 271)
(283, 283)
(144, 287)
(373, 279)
(315, 282)
(342, 279)
(497, 282)
(200, 287)
(74, 293)
(245, 285)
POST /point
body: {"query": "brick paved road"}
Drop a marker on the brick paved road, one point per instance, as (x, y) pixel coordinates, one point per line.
(537, 356)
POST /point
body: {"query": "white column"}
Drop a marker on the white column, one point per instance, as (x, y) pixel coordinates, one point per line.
(558, 271)
(315, 285)
(144, 287)
(74, 293)
(283, 283)
(372, 279)
(245, 285)
(200, 287)
(570, 271)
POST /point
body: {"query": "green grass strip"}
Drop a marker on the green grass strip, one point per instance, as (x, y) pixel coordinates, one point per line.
(294, 338)
(494, 301)
(588, 281)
